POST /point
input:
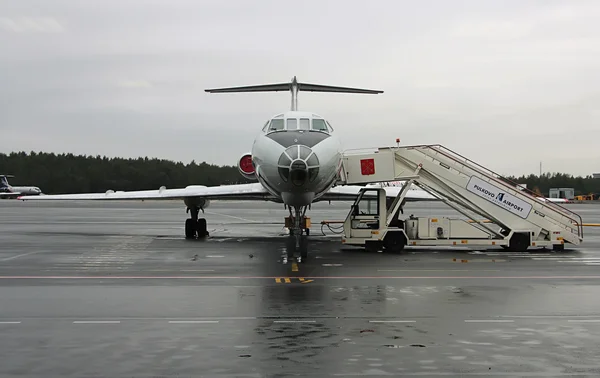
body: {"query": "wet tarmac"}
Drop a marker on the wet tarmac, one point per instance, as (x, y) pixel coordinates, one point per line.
(114, 290)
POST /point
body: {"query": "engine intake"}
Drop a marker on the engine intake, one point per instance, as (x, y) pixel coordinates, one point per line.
(246, 167)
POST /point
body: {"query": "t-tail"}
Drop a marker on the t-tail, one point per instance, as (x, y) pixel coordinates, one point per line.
(4, 186)
(294, 87)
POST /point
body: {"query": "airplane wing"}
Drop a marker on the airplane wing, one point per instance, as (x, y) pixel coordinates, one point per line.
(8, 194)
(232, 192)
(241, 192)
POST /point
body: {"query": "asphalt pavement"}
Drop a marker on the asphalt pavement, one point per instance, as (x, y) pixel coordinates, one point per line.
(112, 289)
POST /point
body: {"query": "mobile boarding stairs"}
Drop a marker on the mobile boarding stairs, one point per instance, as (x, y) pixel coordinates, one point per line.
(497, 211)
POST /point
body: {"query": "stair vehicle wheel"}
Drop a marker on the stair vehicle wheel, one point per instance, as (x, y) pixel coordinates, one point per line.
(519, 242)
(558, 247)
(190, 229)
(394, 242)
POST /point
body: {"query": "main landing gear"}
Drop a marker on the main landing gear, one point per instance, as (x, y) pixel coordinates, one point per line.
(195, 226)
(297, 223)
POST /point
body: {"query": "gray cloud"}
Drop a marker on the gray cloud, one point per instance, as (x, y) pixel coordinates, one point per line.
(507, 83)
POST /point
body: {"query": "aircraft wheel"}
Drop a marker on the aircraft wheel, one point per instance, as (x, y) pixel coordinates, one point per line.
(201, 228)
(190, 229)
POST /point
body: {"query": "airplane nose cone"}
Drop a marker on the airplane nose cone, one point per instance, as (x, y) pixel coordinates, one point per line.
(298, 165)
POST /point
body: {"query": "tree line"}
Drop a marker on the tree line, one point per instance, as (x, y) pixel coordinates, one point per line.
(542, 184)
(69, 173)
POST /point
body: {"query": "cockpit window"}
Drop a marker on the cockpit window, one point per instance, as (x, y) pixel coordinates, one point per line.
(292, 123)
(304, 152)
(329, 125)
(276, 124)
(266, 126)
(319, 124)
(304, 124)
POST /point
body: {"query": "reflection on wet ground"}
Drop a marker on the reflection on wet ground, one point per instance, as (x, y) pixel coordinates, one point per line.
(114, 290)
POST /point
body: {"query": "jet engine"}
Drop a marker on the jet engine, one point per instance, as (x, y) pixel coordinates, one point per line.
(246, 167)
(199, 202)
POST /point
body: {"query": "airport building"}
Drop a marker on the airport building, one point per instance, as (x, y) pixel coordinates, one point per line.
(567, 193)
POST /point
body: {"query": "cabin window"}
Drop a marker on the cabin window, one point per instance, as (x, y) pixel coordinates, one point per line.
(313, 173)
(319, 125)
(276, 124)
(304, 124)
(292, 123)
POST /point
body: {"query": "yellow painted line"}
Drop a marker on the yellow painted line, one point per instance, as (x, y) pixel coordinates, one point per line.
(278, 280)
(287, 280)
(294, 267)
(302, 280)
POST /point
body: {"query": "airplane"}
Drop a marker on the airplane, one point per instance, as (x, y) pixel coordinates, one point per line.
(6, 190)
(296, 160)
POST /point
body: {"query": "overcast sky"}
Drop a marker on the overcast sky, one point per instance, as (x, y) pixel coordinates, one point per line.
(506, 83)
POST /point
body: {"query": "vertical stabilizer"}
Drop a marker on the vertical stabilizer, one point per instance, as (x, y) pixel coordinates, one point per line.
(4, 182)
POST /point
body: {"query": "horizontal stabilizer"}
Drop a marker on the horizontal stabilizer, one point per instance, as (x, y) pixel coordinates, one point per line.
(328, 88)
(294, 84)
(254, 88)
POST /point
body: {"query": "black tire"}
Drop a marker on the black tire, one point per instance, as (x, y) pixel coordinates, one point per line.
(307, 231)
(519, 242)
(394, 242)
(558, 247)
(190, 229)
(201, 228)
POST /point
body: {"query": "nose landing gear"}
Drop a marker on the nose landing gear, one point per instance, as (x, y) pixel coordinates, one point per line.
(298, 224)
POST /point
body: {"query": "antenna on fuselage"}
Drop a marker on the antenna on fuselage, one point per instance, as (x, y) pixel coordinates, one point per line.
(294, 87)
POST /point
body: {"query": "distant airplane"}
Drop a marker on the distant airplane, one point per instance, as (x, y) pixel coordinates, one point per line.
(6, 190)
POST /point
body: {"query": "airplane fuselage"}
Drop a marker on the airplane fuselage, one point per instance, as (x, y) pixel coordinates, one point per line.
(297, 157)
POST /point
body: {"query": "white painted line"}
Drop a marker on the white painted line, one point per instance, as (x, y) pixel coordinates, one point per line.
(10, 322)
(489, 321)
(21, 255)
(439, 270)
(584, 320)
(332, 264)
(96, 322)
(392, 321)
(197, 270)
(215, 256)
(546, 316)
(193, 321)
(294, 321)
(234, 217)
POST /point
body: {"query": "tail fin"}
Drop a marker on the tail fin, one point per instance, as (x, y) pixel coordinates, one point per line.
(294, 87)
(4, 181)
